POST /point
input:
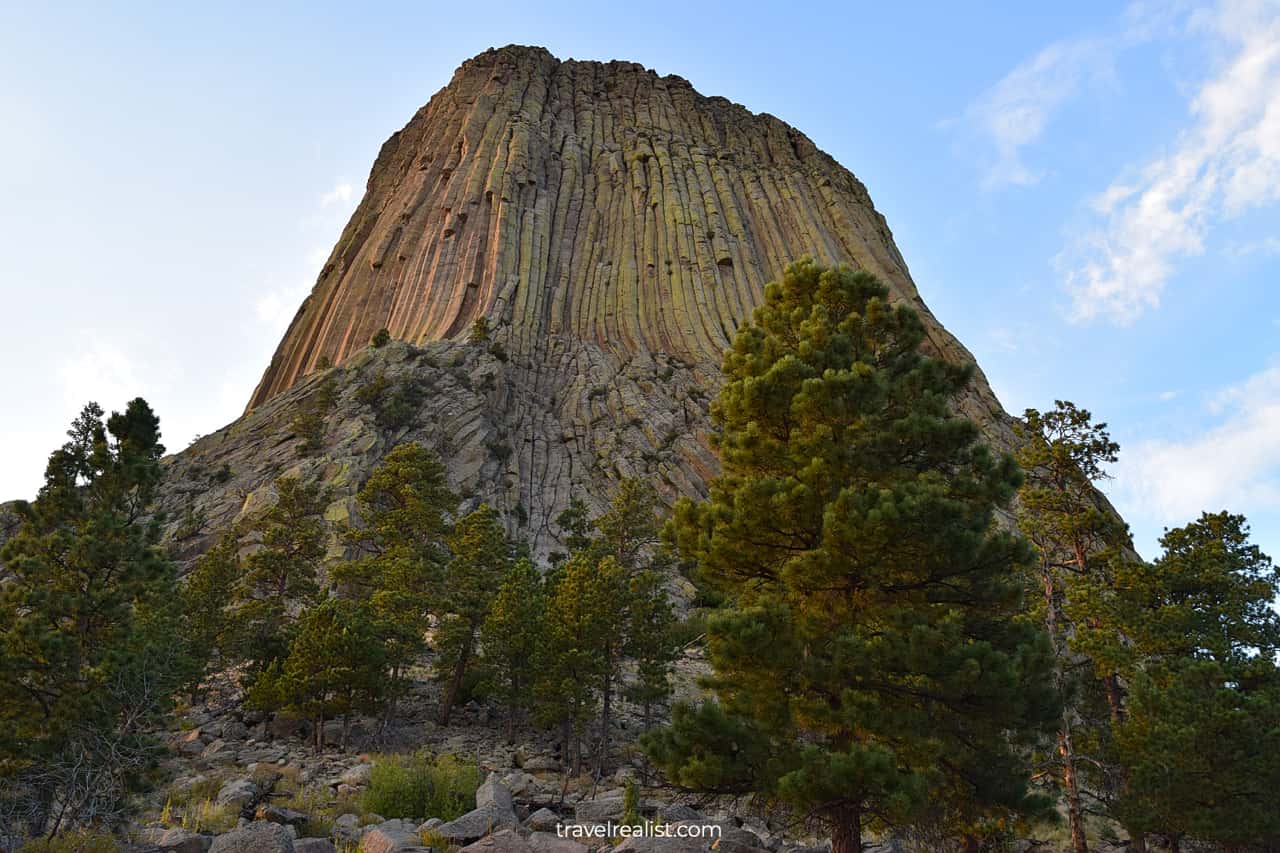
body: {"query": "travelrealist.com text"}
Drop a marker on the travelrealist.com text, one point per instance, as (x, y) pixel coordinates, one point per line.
(647, 829)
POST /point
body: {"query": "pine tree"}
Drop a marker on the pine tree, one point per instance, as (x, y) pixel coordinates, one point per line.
(649, 642)
(282, 576)
(509, 639)
(1195, 637)
(581, 647)
(401, 552)
(1062, 513)
(87, 654)
(335, 668)
(206, 593)
(868, 657)
(480, 561)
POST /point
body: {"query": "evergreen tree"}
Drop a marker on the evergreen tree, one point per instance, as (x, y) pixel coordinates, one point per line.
(509, 638)
(480, 561)
(1062, 513)
(281, 578)
(401, 552)
(580, 648)
(335, 668)
(649, 642)
(88, 658)
(868, 657)
(1195, 637)
(206, 592)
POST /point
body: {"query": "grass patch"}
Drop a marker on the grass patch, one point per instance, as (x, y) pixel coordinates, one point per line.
(421, 786)
(73, 842)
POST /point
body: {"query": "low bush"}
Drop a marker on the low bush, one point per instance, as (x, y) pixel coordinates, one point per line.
(421, 786)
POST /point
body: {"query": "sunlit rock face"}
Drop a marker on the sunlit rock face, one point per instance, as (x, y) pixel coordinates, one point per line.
(613, 227)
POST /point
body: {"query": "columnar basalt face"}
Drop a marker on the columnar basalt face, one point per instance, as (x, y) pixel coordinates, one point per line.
(583, 203)
(614, 227)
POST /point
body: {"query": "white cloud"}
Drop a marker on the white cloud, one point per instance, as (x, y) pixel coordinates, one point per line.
(1166, 396)
(342, 193)
(1234, 465)
(100, 371)
(1225, 163)
(1014, 112)
(276, 307)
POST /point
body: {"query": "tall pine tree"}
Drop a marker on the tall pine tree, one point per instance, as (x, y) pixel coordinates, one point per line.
(88, 654)
(867, 658)
(1195, 637)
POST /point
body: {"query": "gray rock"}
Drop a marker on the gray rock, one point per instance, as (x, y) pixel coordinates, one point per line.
(357, 775)
(550, 842)
(392, 836)
(544, 820)
(493, 793)
(673, 812)
(507, 841)
(178, 840)
(346, 829)
(476, 824)
(257, 837)
(540, 764)
(600, 810)
(279, 814)
(314, 845)
(238, 793)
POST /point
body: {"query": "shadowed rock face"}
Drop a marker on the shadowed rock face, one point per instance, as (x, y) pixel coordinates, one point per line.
(614, 227)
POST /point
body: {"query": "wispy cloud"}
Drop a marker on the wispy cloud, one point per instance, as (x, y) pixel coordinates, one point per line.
(1225, 163)
(342, 193)
(1014, 113)
(1233, 465)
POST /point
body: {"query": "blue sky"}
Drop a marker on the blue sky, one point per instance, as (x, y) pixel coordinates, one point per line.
(1088, 196)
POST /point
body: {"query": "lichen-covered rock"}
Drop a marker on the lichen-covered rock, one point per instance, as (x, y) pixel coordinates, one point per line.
(257, 837)
(238, 793)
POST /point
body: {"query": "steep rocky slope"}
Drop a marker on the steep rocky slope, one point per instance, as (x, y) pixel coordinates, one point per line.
(613, 227)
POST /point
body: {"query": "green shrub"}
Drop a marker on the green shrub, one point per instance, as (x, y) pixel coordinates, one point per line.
(381, 338)
(480, 330)
(420, 786)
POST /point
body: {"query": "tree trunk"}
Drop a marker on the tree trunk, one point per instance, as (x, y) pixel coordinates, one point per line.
(455, 683)
(1066, 747)
(846, 830)
(606, 707)
(1075, 814)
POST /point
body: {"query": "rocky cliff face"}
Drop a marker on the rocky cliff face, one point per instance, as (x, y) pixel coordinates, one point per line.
(614, 228)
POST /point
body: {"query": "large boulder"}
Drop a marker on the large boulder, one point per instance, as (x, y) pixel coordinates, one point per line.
(314, 845)
(600, 810)
(392, 836)
(257, 837)
(543, 820)
(494, 811)
(493, 793)
(177, 840)
(238, 793)
(280, 814)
